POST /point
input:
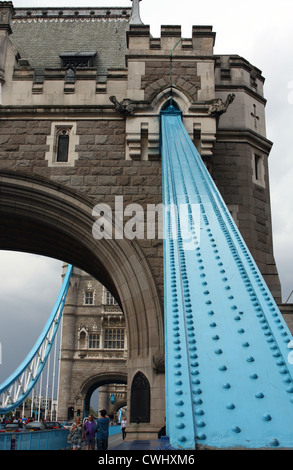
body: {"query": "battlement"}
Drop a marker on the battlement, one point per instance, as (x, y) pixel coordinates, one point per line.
(201, 43)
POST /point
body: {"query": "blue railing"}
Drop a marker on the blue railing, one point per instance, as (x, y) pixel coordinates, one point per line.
(35, 440)
(55, 439)
(114, 430)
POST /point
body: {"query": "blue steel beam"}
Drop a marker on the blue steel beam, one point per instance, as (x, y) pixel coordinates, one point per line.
(228, 377)
(18, 386)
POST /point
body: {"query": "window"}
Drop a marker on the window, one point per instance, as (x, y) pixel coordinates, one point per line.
(258, 170)
(62, 143)
(62, 146)
(94, 341)
(88, 298)
(257, 167)
(110, 300)
(72, 61)
(114, 338)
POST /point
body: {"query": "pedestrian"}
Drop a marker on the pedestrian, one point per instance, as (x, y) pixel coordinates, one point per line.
(123, 427)
(76, 435)
(90, 432)
(103, 431)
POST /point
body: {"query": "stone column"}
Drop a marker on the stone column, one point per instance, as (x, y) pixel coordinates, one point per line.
(103, 398)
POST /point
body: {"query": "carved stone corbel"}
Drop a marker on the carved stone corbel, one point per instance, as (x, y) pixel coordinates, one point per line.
(218, 107)
(124, 107)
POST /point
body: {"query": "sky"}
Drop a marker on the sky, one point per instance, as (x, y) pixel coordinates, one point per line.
(262, 33)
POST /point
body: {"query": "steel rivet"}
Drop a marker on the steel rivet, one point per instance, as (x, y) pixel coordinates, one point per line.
(236, 429)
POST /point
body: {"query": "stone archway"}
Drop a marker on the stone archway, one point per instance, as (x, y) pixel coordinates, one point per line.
(41, 217)
(96, 381)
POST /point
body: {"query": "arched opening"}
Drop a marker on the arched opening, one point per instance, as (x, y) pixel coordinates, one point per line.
(179, 98)
(104, 398)
(56, 222)
(170, 102)
(41, 217)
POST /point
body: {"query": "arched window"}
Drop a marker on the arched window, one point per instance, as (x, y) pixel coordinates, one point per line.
(82, 340)
(62, 145)
(140, 399)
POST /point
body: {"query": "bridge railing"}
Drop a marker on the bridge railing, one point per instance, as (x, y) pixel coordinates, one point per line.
(55, 439)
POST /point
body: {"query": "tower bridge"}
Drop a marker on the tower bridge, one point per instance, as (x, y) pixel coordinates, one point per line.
(206, 342)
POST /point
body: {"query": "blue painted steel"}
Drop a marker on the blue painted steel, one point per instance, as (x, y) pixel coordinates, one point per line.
(55, 439)
(54, 320)
(115, 429)
(228, 377)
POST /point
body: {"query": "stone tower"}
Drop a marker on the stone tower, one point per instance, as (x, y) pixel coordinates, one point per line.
(95, 326)
(82, 90)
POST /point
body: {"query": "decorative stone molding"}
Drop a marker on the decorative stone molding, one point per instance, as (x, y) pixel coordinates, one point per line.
(56, 128)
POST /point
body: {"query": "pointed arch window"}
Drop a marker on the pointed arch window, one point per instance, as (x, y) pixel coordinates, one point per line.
(62, 145)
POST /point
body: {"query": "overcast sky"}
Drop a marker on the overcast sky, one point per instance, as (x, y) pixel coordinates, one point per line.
(261, 32)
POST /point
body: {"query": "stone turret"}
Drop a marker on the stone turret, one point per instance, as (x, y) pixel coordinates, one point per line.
(6, 13)
(135, 14)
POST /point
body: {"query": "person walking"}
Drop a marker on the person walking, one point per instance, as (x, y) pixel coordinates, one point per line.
(90, 432)
(123, 427)
(76, 435)
(103, 431)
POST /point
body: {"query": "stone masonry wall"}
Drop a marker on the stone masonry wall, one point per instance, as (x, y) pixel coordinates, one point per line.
(232, 172)
(157, 77)
(101, 171)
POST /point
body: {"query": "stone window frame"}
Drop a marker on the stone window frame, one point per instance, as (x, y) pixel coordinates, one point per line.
(108, 339)
(89, 291)
(91, 339)
(52, 141)
(258, 169)
(83, 339)
(109, 298)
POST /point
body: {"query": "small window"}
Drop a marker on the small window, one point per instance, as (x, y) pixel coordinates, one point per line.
(89, 298)
(62, 146)
(62, 143)
(258, 168)
(94, 341)
(114, 338)
(110, 300)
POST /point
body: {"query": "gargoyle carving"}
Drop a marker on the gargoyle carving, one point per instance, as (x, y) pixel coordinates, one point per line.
(125, 107)
(218, 107)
